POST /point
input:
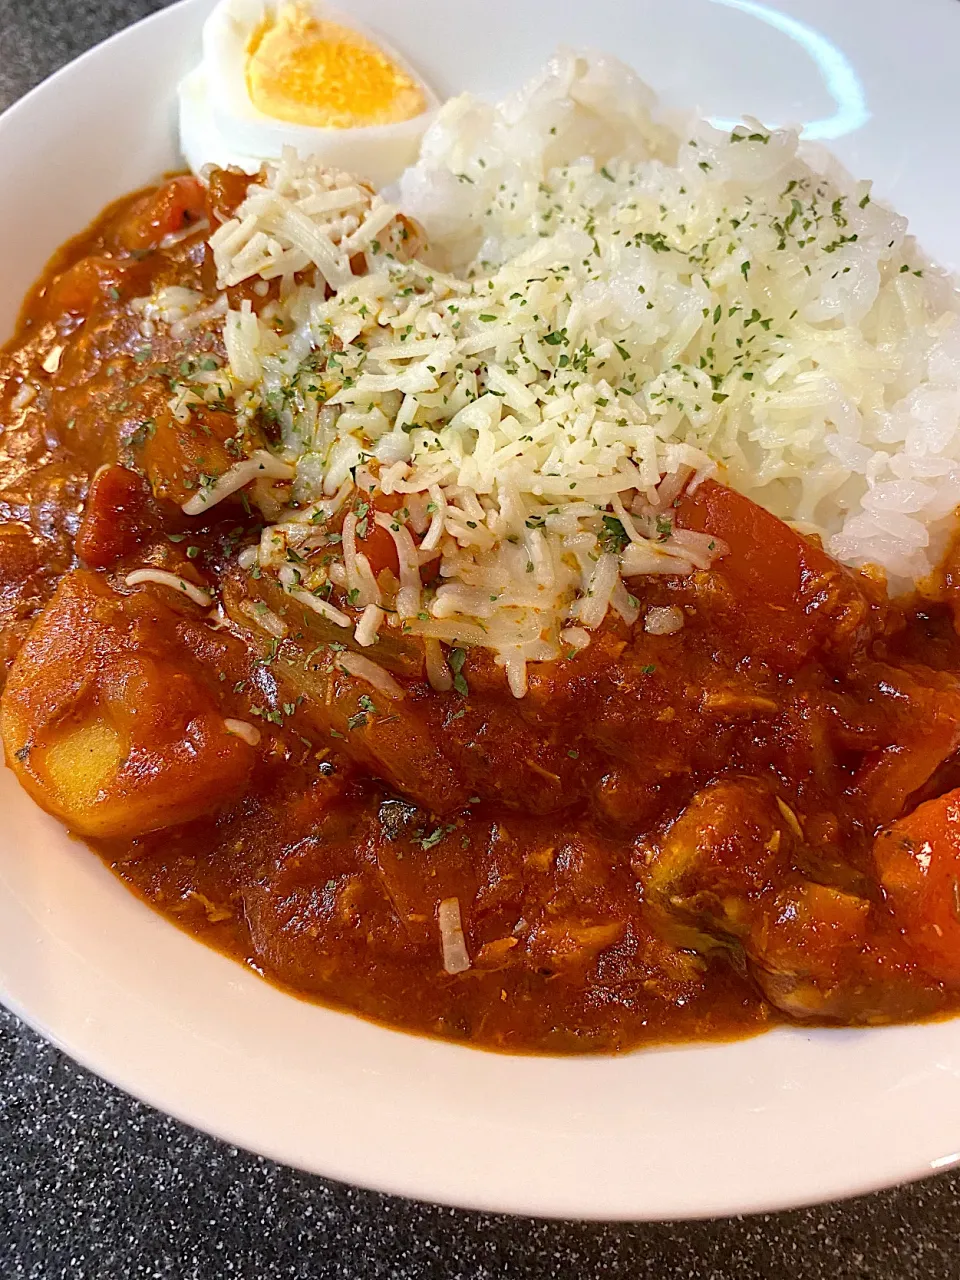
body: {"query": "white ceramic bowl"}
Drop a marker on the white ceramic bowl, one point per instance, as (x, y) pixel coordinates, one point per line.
(789, 1117)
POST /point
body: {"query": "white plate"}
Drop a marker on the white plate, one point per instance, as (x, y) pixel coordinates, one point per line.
(790, 1117)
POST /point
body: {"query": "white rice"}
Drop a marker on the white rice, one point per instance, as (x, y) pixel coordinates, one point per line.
(604, 302)
(850, 424)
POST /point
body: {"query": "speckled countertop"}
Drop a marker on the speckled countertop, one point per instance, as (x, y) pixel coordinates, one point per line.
(96, 1186)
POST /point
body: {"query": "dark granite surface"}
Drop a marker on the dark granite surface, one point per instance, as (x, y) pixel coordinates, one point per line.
(95, 1186)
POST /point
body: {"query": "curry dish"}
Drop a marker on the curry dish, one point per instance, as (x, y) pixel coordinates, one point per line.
(676, 834)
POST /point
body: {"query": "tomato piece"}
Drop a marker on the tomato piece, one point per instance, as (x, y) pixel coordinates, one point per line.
(788, 595)
(226, 190)
(372, 541)
(163, 212)
(112, 522)
(921, 712)
(77, 290)
(380, 550)
(918, 861)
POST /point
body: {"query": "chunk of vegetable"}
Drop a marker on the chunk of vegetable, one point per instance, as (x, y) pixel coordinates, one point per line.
(727, 840)
(112, 522)
(83, 761)
(787, 593)
(918, 860)
(804, 954)
(726, 875)
(439, 749)
(922, 717)
(177, 456)
(107, 721)
(170, 208)
(226, 190)
(21, 557)
(77, 290)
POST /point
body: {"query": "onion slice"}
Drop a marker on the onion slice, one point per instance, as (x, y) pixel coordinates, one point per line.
(456, 958)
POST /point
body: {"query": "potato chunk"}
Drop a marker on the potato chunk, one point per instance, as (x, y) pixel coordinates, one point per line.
(85, 760)
(110, 723)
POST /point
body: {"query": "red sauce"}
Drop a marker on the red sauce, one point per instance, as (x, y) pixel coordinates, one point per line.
(671, 837)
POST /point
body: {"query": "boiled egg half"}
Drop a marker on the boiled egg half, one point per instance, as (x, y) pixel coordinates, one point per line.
(300, 74)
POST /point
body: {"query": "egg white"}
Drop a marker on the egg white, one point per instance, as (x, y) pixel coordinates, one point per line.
(220, 125)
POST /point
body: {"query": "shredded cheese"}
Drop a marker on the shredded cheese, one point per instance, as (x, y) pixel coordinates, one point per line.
(164, 579)
(259, 464)
(605, 311)
(367, 628)
(355, 664)
(497, 412)
(305, 217)
(264, 618)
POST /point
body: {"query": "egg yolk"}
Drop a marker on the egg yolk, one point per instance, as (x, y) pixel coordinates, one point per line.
(311, 71)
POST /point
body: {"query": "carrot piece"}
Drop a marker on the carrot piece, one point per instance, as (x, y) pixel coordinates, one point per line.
(918, 861)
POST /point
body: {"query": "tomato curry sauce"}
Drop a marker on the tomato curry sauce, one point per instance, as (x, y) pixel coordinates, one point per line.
(751, 820)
